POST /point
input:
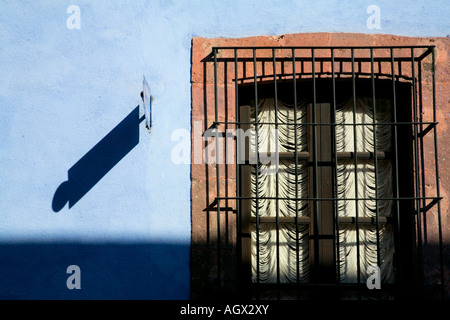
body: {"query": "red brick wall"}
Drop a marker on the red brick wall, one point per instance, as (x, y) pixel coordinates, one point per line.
(204, 263)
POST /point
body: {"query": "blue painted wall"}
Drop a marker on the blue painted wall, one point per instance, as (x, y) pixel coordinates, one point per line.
(81, 180)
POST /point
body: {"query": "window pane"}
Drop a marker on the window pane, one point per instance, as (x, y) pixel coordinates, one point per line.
(287, 253)
(268, 135)
(366, 185)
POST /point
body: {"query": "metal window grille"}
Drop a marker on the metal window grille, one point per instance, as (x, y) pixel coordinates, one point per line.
(294, 73)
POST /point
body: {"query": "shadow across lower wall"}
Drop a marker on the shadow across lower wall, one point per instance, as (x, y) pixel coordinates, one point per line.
(95, 164)
(139, 270)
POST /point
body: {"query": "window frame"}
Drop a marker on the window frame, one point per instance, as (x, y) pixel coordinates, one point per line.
(214, 81)
(324, 110)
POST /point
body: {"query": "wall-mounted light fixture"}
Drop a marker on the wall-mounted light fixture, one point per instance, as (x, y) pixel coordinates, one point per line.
(147, 102)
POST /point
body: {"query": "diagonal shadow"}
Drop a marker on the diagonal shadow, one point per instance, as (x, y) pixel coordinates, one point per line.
(95, 164)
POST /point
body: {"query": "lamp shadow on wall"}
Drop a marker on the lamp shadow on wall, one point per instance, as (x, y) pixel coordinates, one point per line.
(95, 164)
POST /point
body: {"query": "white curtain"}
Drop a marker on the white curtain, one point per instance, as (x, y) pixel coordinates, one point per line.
(289, 185)
(367, 187)
(293, 185)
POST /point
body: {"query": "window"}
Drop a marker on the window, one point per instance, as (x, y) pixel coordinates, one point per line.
(307, 224)
(334, 186)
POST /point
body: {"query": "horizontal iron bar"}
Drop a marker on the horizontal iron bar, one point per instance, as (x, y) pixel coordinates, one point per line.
(340, 155)
(305, 76)
(287, 155)
(224, 209)
(307, 220)
(263, 219)
(319, 47)
(319, 59)
(364, 220)
(362, 155)
(340, 285)
(329, 199)
(332, 124)
(213, 207)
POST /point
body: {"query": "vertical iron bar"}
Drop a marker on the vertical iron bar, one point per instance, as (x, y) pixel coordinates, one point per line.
(399, 263)
(315, 183)
(375, 158)
(255, 76)
(225, 151)
(294, 75)
(216, 123)
(436, 161)
(276, 177)
(238, 191)
(335, 167)
(421, 149)
(356, 169)
(416, 169)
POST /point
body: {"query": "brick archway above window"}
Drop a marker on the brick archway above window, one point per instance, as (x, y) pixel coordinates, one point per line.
(213, 89)
(202, 72)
